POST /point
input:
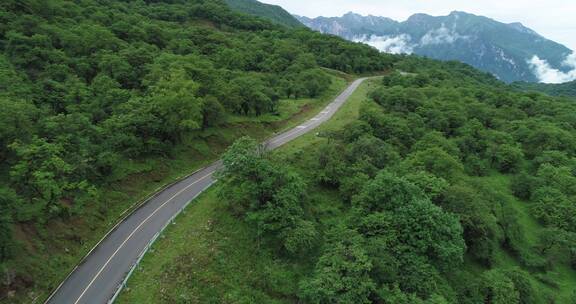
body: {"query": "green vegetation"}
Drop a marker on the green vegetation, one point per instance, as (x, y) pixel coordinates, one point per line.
(553, 89)
(439, 186)
(436, 184)
(273, 13)
(210, 255)
(105, 101)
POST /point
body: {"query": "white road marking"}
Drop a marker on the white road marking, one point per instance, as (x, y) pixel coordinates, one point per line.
(283, 136)
(294, 132)
(134, 232)
(298, 129)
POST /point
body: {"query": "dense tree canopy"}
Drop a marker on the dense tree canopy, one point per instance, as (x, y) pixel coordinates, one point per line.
(267, 195)
(448, 138)
(86, 86)
(449, 188)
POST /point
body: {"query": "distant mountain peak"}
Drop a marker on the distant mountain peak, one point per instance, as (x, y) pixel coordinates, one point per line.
(460, 13)
(419, 17)
(516, 24)
(511, 51)
(522, 28)
(351, 14)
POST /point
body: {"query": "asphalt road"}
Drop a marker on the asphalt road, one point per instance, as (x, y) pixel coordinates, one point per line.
(100, 274)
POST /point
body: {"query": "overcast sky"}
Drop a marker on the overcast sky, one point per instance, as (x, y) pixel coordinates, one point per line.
(554, 19)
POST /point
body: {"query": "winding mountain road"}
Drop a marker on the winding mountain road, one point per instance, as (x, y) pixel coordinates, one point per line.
(100, 275)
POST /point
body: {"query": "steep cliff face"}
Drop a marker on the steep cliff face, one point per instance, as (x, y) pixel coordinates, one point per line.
(512, 51)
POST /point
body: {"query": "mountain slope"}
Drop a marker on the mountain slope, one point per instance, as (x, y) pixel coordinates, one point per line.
(105, 101)
(553, 89)
(512, 52)
(350, 25)
(273, 13)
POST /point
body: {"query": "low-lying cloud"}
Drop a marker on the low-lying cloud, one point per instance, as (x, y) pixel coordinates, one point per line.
(401, 44)
(404, 44)
(442, 35)
(547, 74)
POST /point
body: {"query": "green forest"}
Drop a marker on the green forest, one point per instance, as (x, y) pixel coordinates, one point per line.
(555, 89)
(445, 186)
(273, 13)
(100, 96)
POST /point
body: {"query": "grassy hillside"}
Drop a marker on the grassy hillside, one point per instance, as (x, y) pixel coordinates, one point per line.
(273, 13)
(105, 101)
(440, 186)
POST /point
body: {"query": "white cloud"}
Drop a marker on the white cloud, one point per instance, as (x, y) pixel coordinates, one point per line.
(570, 61)
(441, 35)
(548, 74)
(554, 19)
(400, 44)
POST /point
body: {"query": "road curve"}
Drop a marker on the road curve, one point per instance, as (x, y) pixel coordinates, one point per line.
(103, 270)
